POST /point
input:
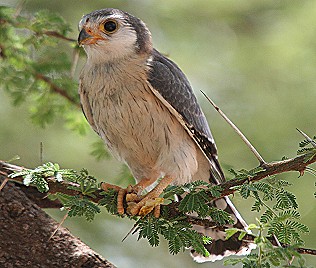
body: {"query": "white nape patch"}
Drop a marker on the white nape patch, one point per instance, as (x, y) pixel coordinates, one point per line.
(212, 258)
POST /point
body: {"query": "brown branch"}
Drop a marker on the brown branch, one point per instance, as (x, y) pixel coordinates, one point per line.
(25, 232)
(57, 35)
(298, 163)
(56, 89)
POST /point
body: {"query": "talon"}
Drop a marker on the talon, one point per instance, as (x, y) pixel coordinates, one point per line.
(146, 206)
(137, 204)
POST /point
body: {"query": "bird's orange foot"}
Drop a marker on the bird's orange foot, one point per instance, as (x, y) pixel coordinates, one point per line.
(136, 204)
(146, 205)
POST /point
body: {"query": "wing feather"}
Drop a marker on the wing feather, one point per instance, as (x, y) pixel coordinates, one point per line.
(171, 86)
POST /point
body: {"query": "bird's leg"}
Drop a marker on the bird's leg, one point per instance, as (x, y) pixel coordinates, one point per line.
(151, 200)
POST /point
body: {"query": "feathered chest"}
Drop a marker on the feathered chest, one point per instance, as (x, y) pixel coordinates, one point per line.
(122, 109)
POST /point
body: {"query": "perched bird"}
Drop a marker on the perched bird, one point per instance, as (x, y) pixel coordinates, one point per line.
(143, 107)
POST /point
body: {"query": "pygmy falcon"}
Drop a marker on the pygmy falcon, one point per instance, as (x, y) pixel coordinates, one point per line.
(143, 107)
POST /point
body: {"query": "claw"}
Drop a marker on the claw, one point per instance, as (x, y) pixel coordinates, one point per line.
(137, 204)
(150, 205)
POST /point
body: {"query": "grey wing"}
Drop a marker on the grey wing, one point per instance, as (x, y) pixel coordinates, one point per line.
(167, 78)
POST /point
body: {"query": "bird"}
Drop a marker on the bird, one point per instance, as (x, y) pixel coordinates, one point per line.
(143, 107)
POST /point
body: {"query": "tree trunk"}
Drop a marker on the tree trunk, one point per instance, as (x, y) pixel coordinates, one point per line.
(24, 237)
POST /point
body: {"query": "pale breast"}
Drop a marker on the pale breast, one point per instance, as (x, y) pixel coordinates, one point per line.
(136, 126)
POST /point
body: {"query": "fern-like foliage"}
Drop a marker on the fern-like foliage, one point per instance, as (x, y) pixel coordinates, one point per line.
(37, 176)
(78, 206)
(87, 183)
(109, 200)
(196, 196)
(268, 255)
(308, 147)
(279, 217)
(177, 232)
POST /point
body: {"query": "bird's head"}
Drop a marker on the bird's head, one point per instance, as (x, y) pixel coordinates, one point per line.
(111, 34)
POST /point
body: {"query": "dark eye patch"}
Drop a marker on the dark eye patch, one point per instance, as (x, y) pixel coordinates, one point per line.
(110, 26)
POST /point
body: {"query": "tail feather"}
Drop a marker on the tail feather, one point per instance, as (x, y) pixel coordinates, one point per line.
(220, 247)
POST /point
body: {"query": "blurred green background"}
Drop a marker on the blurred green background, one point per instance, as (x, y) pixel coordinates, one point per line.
(255, 59)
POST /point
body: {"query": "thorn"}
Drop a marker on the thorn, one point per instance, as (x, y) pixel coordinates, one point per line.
(241, 135)
(130, 232)
(41, 153)
(277, 241)
(18, 8)
(3, 183)
(60, 224)
(313, 143)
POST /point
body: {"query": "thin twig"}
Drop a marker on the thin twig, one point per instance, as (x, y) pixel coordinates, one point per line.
(41, 153)
(131, 231)
(56, 89)
(242, 136)
(312, 142)
(18, 9)
(57, 35)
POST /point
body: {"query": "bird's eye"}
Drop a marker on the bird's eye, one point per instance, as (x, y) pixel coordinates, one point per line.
(110, 26)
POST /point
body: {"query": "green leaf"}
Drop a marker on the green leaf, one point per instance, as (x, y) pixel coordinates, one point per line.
(195, 201)
(220, 216)
(215, 191)
(79, 206)
(172, 190)
(148, 229)
(230, 232)
(99, 150)
(267, 216)
(109, 201)
(285, 200)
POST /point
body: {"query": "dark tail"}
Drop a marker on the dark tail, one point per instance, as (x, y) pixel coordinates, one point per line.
(220, 247)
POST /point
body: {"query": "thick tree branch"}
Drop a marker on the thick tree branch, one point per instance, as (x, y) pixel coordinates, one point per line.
(25, 232)
(298, 163)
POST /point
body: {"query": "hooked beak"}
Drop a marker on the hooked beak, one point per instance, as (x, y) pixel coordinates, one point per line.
(84, 36)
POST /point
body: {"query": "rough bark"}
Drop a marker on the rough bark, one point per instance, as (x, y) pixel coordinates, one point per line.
(24, 237)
